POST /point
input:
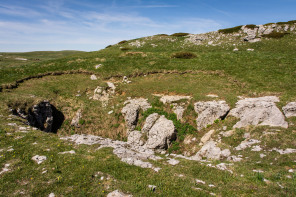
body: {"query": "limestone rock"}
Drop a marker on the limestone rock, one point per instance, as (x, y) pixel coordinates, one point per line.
(131, 111)
(170, 99)
(290, 109)
(117, 193)
(258, 111)
(161, 134)
(246, 143)
(39, 159)
(206, 137)
(93, 77)
(173, 162)
(150, 120)
(210, 111)
(134, 138)
(211, 151)
(179, 110)
(103, 94)
(77, 117)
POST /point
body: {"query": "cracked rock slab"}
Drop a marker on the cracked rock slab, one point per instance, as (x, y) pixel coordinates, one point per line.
(210, 111)
(290, 109)
(258, 111)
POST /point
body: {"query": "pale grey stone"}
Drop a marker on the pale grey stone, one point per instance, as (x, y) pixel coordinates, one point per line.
(76, 118)
(68, 152)
(93, 77)
(290, 109)
(161, 134)
(117, 193)
(210, 111)
(258, 111)
(179, 110)
(134, 138)
(211, 151)
(173, 98)
(246, 144)
(39, 159)
(150, 120)
(206, 137)
(131, 112)
(173, 162)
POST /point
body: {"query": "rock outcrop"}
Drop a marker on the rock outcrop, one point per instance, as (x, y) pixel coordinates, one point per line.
(258, 111)
(103, 94)
(161, 134)
(131, 111)
(210, 111)
(76, 118)
(290, 109)
(117, 193)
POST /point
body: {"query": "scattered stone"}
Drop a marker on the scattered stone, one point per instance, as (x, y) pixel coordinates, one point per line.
(125, 80)
(21, 59)
(98, 66)
(227, 133)
(258, 111)
(211, 151)
(170, 99)
(39, 159)
(210, 111)
(110, 112)
(291, 170)
(161, 134)
(12, 124)
(246, 143)
(173, 162)
(103, 94)
(117, 193)
(262, 155)
(224, 128)
(282, 187)
(152, 187)
(282, 152)
(51, 195)
(10, 150)
(258, 171)
(93, 77)
(211, 185)
(235, 49)
(289, 176)
(256, 148)
(179, 110)
(76, 118)
(247, 135)
(290, 109)
(5, 169)
(250, 49)
(67, 152)
(199, 181)
(235, 158)
(212, 96)
(206, 137)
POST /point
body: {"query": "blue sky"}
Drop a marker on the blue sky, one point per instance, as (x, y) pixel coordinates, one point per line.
(89, 25)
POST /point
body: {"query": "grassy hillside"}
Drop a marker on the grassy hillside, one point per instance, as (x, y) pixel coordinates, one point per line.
(162, 64)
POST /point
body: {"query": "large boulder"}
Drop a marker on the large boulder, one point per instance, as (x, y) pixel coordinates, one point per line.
(258, 111)
(135, 138)
(131, 111)
(210, 111)
(290, 109)
(161, 134)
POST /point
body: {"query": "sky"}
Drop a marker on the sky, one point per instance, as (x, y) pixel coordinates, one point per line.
(90, 25)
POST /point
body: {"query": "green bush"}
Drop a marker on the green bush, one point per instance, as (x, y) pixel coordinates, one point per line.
(161, 35)
(275, 35)
(230, 30)
(122, 42)
(125, 48)
(251, 26)
(180, 34)
(184, 55)
(287, 23)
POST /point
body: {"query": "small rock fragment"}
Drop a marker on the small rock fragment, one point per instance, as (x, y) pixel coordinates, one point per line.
(39, 159)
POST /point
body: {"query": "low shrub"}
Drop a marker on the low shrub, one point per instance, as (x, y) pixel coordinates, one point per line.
(251, 26)
(122, 42)
(275, 35)
(184, 55)
(161, 35)
(287, 23)
(180, 34)
(230, 30)
(125, 48)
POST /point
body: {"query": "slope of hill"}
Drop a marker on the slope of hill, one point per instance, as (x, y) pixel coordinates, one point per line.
(165, 115)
